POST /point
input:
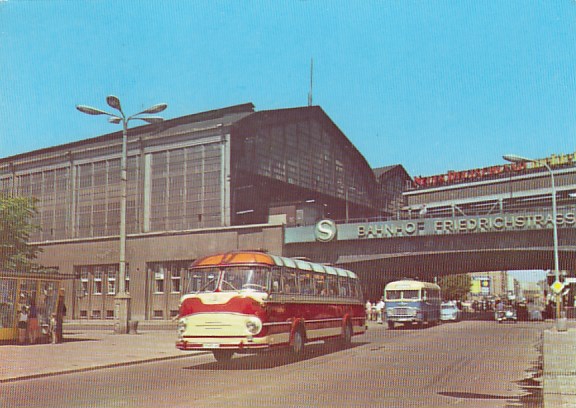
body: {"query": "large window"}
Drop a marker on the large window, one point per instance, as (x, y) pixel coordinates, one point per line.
(186, 188)
(50, 189)
(98, 197)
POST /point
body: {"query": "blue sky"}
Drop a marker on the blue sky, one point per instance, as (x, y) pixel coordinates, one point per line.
(432, 85)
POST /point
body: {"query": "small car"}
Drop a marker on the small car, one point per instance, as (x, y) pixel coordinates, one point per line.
(508, 314)
(449, 312)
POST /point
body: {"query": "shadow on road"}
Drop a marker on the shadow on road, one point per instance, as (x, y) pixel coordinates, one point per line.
(272, 359)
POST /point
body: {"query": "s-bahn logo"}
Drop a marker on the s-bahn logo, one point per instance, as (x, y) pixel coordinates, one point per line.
(325, 230)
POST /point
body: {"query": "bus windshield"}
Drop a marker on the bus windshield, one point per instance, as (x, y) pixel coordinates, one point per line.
(403, 294)
(203, 280)
(241, 278)
(231, 279)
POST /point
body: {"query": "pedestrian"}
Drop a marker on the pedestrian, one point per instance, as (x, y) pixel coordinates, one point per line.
(60, 313)
(22, 324)
(33, 326)
(52, 329)
(368, 310)
(380, 310)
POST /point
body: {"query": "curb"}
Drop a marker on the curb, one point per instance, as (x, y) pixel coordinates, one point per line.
(100, 367)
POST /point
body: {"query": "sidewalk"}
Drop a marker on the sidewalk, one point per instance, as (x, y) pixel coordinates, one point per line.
(87, 349)
(559, 368)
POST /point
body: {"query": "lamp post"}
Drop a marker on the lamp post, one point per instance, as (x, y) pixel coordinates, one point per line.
(122, 299)
(518, 159)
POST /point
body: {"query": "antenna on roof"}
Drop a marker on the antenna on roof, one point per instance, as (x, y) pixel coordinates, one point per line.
(311, 71)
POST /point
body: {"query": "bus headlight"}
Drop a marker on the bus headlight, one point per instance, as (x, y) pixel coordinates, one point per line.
(181, 327)
(253, 325)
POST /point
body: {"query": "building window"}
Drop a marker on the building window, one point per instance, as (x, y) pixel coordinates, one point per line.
(84, 276)
(98, 280)
(159, 280)
(111, 280)
(175, 276)
(163, 274)
(103, 277)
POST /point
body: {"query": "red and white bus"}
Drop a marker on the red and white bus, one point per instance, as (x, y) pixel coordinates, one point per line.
(249, 301)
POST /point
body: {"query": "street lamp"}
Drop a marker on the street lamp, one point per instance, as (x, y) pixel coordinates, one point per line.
(518, 159)
(122, 299)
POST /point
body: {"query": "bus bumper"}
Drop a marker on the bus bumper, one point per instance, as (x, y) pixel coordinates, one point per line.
(238, 344)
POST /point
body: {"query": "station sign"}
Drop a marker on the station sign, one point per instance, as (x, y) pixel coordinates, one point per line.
(328, 230)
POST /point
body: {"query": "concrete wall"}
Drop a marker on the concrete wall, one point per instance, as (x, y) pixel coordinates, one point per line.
(143, 249)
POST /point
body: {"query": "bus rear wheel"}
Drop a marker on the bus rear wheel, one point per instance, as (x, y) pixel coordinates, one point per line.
(346, 339)
(298, 343)
(223, 356)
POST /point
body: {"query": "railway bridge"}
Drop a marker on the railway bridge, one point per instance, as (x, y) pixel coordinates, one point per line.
(380, 250)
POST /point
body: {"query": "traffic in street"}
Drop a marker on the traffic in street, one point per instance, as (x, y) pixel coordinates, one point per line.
(469, 363)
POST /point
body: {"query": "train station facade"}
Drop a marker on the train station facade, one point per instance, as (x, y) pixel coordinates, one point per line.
(220, 180)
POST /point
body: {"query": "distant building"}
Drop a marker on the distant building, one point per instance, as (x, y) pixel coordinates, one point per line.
(392, 182)
(489, 285)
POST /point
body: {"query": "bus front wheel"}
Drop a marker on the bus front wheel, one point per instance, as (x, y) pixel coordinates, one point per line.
(223, 356)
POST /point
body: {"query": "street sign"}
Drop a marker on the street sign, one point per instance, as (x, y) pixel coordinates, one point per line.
(570, 280)
(557, 287)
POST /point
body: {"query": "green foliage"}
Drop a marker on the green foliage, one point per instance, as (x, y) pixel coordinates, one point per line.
(455, 287)
(16, 226)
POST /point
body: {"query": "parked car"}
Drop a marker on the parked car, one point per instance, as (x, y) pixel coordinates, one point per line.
(450, 312)
(535, 314)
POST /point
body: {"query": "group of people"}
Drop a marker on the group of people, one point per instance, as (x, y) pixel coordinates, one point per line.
(29, 329)
(375, 311)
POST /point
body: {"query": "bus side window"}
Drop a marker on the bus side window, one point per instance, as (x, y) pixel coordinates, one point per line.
(353, 288)
(289, 281)
(344, 287)
(275, 278)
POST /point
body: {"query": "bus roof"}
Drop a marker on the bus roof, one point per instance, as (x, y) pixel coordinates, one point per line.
(408, 284)
(261, 258)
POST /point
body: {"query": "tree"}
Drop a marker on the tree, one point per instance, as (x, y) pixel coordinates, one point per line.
(455, 287)
(16, 226)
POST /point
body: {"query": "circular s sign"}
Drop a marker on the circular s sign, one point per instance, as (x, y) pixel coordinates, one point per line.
(325, 230)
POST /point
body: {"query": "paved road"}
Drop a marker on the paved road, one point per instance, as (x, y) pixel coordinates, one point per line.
(467, 364)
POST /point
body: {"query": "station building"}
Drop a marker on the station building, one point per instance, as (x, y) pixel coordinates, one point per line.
(220, 180)
(495, 189)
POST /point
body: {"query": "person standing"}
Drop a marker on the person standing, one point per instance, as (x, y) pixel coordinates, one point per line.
(52, 329)
(33, 326)
(22, 324)
(380, 310)
(368, 310)
(60, 313)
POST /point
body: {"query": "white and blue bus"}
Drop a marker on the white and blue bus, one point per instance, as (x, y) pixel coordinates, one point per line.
(412, 302)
